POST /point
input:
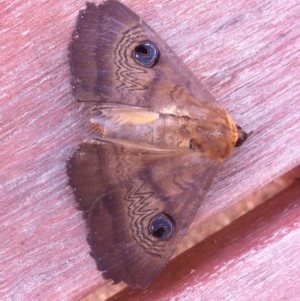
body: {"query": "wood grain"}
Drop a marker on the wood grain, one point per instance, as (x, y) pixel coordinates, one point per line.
(245, 53)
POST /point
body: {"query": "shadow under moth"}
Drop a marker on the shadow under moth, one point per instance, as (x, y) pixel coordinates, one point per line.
(161, 139)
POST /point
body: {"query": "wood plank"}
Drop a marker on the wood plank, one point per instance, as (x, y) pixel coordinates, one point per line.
(245, 53)
(254, 258)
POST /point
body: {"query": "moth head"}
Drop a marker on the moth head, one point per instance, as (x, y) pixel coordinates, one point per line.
(146, 54)
(242, 136)
(162, 227)
(238, 135)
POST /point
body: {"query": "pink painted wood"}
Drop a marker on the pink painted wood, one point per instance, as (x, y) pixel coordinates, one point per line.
(246, 53)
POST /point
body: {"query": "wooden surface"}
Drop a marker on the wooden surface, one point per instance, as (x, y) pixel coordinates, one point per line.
(258, 253)
(245, 53)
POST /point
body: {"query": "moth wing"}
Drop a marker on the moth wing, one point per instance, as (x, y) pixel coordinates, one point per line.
(122, 188)
(104, 71)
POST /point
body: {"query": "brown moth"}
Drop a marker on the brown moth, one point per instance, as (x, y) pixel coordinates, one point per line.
(161, 139)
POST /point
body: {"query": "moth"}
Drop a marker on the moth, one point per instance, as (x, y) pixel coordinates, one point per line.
(161, 138)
